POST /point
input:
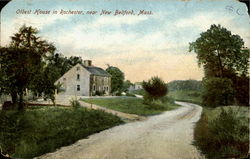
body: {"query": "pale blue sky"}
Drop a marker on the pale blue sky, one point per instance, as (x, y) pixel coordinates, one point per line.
(142, 46)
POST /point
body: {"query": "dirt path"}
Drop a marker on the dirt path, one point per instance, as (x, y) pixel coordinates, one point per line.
(165, 136)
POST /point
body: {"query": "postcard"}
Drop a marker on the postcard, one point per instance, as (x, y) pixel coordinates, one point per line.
(123, 79)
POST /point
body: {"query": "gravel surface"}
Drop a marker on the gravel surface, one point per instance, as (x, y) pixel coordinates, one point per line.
(165, 136)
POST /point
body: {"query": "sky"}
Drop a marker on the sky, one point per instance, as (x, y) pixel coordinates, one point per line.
(142, 46)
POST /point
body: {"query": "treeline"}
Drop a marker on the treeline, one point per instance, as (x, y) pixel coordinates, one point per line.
(184, 85)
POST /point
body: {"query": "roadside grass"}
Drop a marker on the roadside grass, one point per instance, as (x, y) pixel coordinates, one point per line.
(186, 96)
(139, 92)
(133, 105)
(35, 131)
(223, 132)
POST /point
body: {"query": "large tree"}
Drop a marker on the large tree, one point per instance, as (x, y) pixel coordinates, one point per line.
(117, 79)
(21, 62)
(219, 50)
(223, 55)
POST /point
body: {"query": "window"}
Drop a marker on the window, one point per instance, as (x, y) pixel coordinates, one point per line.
(78, 77)
(107, 88)
(78, 88)
(94, 88)
(77, 68)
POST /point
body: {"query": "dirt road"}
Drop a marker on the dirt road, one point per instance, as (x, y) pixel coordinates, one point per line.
(165, 136)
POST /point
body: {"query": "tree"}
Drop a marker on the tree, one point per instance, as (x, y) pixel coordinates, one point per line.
(21, 62)
(126, 85)
(223, 55)
(217, 91)
(155, 88)
(217, 49)
(116, 79)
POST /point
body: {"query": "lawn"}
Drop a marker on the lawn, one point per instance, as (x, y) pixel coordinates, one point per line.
(33, 132)
(223, 132)
(186, 96)
(132, 105)
(138, 91)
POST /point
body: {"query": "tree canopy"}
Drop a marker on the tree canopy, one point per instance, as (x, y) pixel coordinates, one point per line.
(219, 50)
(223, 57)
(117, 78)
(22, 61)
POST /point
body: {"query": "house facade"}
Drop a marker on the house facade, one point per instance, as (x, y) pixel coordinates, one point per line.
(85, 80)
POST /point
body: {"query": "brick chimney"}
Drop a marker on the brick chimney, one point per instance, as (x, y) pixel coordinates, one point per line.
(87, 63)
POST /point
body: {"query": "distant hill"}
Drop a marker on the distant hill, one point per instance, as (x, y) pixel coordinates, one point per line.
(184, 85)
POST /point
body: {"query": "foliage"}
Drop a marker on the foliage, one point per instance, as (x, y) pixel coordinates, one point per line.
(75, 103)
(217, 91)
(184, 85)
(192, 96)
(126, 85)
(22, 61)
(155, 88)
(56, 66)
(99, 93)
(138, 91)
(133, 105)
(223, 55)
(31, 63)
(218, 49)
(223, 133)
(116, 79)
(30, 133)
(130, 94)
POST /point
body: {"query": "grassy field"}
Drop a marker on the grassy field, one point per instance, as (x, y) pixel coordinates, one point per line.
(223, 132)
(34, 132)
(186, 96)
(132, 105)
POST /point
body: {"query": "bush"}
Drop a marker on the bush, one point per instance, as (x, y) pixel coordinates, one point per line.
(75, 103)
(98, 93)
(167, 99)
(226, 136)
(155, 89)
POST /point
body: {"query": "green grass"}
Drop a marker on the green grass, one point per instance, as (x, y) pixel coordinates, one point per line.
(223, 132)
(132, 105)
(186, 96)
(33, 132)
(139, 92)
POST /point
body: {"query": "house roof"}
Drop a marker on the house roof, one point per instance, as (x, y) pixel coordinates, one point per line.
(96, 71)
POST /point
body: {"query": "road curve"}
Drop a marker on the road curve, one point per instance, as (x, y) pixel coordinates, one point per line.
(165, 136)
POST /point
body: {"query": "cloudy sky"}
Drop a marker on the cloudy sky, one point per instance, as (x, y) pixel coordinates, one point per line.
(142, 46)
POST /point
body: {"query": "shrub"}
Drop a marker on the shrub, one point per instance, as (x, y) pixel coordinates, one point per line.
(75, 103)
(167, 99)
(155, 88)
(226, 136)
(99, 93)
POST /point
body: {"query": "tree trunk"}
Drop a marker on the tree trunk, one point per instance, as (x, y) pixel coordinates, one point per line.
(21, 104)
(14, 98)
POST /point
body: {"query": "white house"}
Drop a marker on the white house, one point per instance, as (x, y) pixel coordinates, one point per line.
(85, 80)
